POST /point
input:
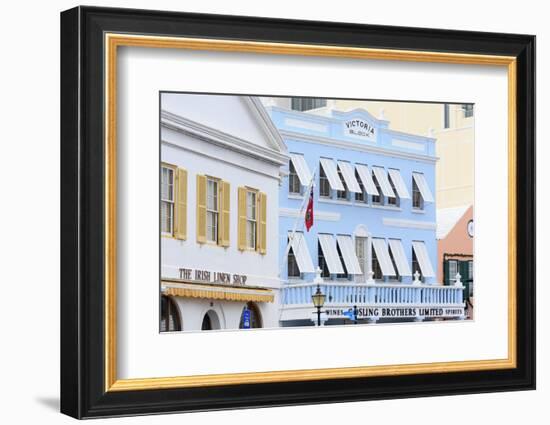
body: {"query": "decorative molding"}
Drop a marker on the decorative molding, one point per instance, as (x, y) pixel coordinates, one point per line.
(408, 145)
(409, 224)
(356, 146)
(319, 215)
(306, 125)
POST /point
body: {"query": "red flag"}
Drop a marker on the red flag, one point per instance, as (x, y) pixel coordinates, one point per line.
(309, 211)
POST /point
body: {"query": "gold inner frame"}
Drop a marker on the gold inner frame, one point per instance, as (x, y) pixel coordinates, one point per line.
(113, 41)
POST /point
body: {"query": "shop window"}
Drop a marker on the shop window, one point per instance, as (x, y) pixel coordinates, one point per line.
(169, 316)
(294, 185)
(307, 103)
(167, 200)
(254, 315)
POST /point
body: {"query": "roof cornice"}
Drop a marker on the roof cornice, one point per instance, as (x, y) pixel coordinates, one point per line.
(203, 132)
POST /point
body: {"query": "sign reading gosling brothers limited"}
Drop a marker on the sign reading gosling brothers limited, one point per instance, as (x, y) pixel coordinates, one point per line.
(399, 312)
(359, 128)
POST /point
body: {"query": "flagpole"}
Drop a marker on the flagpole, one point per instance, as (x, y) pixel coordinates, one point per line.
(307, 194)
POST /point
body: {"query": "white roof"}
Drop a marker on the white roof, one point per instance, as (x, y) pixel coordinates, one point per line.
(423, 259)
(399, 184)
(328, 245)
(301, 253)
(447, 218)
(383, 181)
(366, 178)
(329, 167)
(301, 168)
(348, 253)
(423, 187)
(383, 256)
(398, 253)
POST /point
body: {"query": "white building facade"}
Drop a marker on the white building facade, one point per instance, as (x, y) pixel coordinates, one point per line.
(221, 158)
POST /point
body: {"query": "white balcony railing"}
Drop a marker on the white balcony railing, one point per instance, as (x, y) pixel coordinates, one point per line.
(350, 293)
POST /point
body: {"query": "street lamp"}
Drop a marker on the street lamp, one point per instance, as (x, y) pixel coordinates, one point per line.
(318, 297)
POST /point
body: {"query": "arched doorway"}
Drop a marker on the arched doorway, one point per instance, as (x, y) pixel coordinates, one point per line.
(254, 316)
(170, 320)
(210, 321)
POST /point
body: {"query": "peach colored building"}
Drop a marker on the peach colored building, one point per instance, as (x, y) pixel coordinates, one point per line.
(455, 247)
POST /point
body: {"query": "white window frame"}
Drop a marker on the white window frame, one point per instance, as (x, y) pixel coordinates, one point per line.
(419, 207)
(380, 195)
(293, 178)
(166, 201)
(212, 212)
(251, 220)
(452, 276)
(323, 181)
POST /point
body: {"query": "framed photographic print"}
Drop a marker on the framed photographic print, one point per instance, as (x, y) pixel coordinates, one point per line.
(261, 212)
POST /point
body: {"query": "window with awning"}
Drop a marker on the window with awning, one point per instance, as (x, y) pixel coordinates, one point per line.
(423, 259)
(399, 183)
(423, 186)
(329, 167)
(383, 181)
(396, 248)
(345, 243)
(330, 253)
(301, 252)
(349, 176)
(366, 178)
(383, 256)
(299, 162)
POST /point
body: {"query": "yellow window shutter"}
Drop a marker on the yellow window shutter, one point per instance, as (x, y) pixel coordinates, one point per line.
(242, 218)
(201, 209)
(180, 228)
(225, 194)
(262, 219)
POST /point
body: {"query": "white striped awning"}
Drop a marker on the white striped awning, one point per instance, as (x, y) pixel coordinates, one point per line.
(301, 252)
(329, 167)
(383, 181)
(423, 187)
(328, 245)
(399, 184)
(383, 256)
(345, 243)
(396, 248)
(423, 259)
(301, 168)
(349, 176)
(366, 179)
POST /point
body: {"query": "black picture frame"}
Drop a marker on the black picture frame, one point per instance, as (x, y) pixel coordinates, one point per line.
(83, 392)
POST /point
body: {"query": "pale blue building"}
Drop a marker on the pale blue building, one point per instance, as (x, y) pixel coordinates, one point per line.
(374, 220)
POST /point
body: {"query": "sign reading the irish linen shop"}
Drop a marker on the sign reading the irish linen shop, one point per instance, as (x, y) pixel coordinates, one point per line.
(359, 128)
(207, 276)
